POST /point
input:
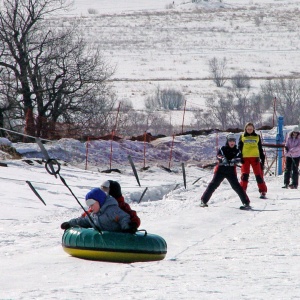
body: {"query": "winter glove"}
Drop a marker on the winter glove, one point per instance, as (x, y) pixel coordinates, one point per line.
(242, 161)
(132, 229)
(257, 159)
(220, 158)
(65, 225)
(286, 149)
(225, 161)
(234, 161)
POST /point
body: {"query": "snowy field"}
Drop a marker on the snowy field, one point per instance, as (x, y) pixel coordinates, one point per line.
(152, 45)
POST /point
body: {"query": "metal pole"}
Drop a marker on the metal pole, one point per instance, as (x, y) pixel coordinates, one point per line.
(145, 136)
(87, 152)
(279, 140)
(111, 148)
(274, 111)
(183, 116)
(171, 151)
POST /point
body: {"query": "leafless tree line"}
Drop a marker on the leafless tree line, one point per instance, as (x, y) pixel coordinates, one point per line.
(237, 106)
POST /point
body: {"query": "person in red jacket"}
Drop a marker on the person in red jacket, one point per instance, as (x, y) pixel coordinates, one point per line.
(252, 155)
(113, 188)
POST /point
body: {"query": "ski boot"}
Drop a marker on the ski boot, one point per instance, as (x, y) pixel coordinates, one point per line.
(263, 196)
(202, 204)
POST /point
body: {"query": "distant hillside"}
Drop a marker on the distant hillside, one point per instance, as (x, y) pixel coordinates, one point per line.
(171, 47)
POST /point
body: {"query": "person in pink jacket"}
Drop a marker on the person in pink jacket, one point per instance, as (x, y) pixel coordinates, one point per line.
(292, 154)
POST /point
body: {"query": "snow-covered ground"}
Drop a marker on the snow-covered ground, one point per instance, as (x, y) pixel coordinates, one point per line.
(219, 252)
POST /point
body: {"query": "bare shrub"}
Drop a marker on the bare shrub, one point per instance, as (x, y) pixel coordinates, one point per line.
(134, 122)
(170, 6)
(93, 11)
(258, 20)
(240, 80)
(218, 69)
(169, 99)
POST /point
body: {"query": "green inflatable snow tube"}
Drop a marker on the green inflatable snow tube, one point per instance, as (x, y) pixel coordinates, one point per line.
(88, 243)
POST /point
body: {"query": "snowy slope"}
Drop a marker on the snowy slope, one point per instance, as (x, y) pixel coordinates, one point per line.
(219, 252)
(216, 253)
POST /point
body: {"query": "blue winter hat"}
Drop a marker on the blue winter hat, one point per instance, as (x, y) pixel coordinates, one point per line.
(94, 195)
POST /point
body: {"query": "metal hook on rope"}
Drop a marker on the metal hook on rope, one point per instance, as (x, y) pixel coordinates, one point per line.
(50, 163)
(50, 169)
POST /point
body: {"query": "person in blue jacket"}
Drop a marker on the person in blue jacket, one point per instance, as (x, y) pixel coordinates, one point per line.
(228, 156)
(105, 214)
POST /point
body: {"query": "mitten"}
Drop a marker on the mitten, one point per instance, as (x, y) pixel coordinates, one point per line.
(65, 225)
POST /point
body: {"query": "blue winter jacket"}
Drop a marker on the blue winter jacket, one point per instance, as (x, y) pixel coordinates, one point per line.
(109, 218)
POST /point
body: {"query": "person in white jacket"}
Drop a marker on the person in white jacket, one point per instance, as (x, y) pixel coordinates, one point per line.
(292, 157)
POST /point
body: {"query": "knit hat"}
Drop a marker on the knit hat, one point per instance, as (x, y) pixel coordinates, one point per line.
(95, 195)
(230, 137)
(105, 184)
(295, 129)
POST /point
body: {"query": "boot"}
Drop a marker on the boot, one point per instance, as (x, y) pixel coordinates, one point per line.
(291, 186)
(203, 204)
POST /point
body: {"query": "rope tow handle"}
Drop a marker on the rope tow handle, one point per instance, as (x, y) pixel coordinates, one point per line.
(50, 163)
(50, 169)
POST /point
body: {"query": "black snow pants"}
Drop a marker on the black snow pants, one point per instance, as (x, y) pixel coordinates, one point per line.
(230, 174)
(291, 170)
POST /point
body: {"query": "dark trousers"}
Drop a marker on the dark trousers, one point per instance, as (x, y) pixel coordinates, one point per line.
(291, 170)
(219, 176)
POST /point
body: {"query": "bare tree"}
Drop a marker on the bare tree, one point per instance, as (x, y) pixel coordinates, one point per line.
(55, 75)
(236, 108)
(12, 115)
(222, 110)
(287, 93)
(158, 125)
(248, 109)
(204, 119)
(247, 106)
(132, 121)
(218, 70)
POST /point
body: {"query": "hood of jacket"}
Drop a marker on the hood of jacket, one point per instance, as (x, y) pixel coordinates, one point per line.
(109, 201)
